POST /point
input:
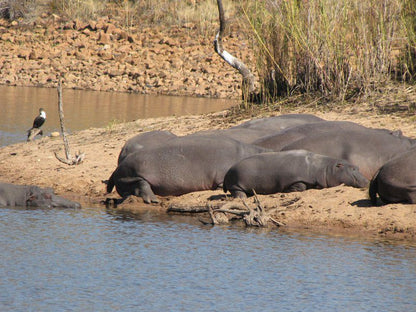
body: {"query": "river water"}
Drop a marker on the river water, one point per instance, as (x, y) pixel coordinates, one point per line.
(86, 109)
(95, 260)
(91, 260)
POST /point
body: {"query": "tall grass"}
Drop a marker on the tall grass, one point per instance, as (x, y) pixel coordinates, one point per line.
(80, 9)
(336, 47)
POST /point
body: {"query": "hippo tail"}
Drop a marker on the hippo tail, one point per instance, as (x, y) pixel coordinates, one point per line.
(110, 184)
(372, 190)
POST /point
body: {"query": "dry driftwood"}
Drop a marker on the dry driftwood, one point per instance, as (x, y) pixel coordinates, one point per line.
(256, 216)
(248, 86)
(69, 160)
(32, 133)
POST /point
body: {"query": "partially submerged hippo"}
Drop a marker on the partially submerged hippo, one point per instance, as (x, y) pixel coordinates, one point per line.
(290, 171)
(395, 182)
(145, 139)
(182, 165)
(367, 149)
(33, 196)
(277, 123)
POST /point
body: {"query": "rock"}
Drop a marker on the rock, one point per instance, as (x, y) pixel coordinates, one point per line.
(103, 38)
(55, 134)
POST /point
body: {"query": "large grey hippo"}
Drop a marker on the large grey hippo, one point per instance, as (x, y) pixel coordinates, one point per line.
(245, 135)
(367, 149)
(289, 135)
(290, 171)
(182, 165)
(145, 139)
(395, 182)
(277, 123)
(31, 195)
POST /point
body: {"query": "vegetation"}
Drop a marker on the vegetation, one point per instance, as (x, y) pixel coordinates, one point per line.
(338, 48)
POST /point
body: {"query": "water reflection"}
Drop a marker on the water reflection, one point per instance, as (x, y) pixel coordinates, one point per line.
(85, 109)
(90, 260)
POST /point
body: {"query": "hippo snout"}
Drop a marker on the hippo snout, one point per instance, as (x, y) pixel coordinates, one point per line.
(360, 180)
(60, 202)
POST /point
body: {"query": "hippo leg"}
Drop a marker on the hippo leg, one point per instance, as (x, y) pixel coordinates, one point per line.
(145, 191)
(238, 194)
(296, 187)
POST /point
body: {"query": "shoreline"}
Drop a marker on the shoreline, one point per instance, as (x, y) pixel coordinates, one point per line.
(340, 210)
(177, 62)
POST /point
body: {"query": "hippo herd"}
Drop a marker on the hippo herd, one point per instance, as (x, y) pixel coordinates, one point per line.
(285, 153)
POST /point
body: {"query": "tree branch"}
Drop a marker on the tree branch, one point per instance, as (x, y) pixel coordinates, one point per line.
(248, 87)
(69, 159)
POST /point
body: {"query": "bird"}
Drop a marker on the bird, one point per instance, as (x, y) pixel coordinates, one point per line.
(37, 123)
(40, 119)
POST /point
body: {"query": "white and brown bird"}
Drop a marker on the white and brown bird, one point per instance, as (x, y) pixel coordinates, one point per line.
(40, 119)
(37, 123)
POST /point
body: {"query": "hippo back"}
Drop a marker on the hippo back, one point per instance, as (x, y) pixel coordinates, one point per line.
(145, 139)
(282, 138)
(184, 164)
(367, 149)
(396, 180)
(277, 123)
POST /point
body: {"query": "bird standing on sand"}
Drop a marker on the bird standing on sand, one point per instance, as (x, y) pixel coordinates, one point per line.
(37, 123)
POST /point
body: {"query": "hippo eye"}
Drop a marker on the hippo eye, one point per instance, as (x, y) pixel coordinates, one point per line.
(339, 165)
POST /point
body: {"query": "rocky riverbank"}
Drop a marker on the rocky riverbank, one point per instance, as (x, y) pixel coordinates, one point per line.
(101, 55)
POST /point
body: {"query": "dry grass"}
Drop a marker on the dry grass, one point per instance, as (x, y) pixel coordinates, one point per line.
(338, 48)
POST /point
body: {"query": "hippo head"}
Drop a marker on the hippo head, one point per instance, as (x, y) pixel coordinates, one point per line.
(342, 172)
(45, 197)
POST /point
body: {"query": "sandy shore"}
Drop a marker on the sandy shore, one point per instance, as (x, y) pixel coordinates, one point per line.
(340, 209)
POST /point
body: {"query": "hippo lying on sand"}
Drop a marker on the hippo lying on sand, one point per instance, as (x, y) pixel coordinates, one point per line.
(33, 196)
(145, 139)
(395, 182)
(368, 149)
(287, 136)
(277, 123)
(245, 135)
(290, 171)
(284, 137)
(182, 165)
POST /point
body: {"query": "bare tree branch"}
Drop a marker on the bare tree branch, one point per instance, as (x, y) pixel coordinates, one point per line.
(69, 159)
(32, 133)
(248, 86)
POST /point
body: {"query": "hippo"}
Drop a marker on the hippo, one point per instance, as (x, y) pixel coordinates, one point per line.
(289, 135)
(289, 171)
(367, 149)
(395, 182)
(182, 165)
(33, 196)
(245, 135)
(277, 123)
(145, 139)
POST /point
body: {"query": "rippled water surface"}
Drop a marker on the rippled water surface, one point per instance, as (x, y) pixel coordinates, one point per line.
(90, 260)
(85, 109)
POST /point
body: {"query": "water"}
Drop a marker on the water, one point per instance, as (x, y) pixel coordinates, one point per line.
(86, 109)
(91, 260)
